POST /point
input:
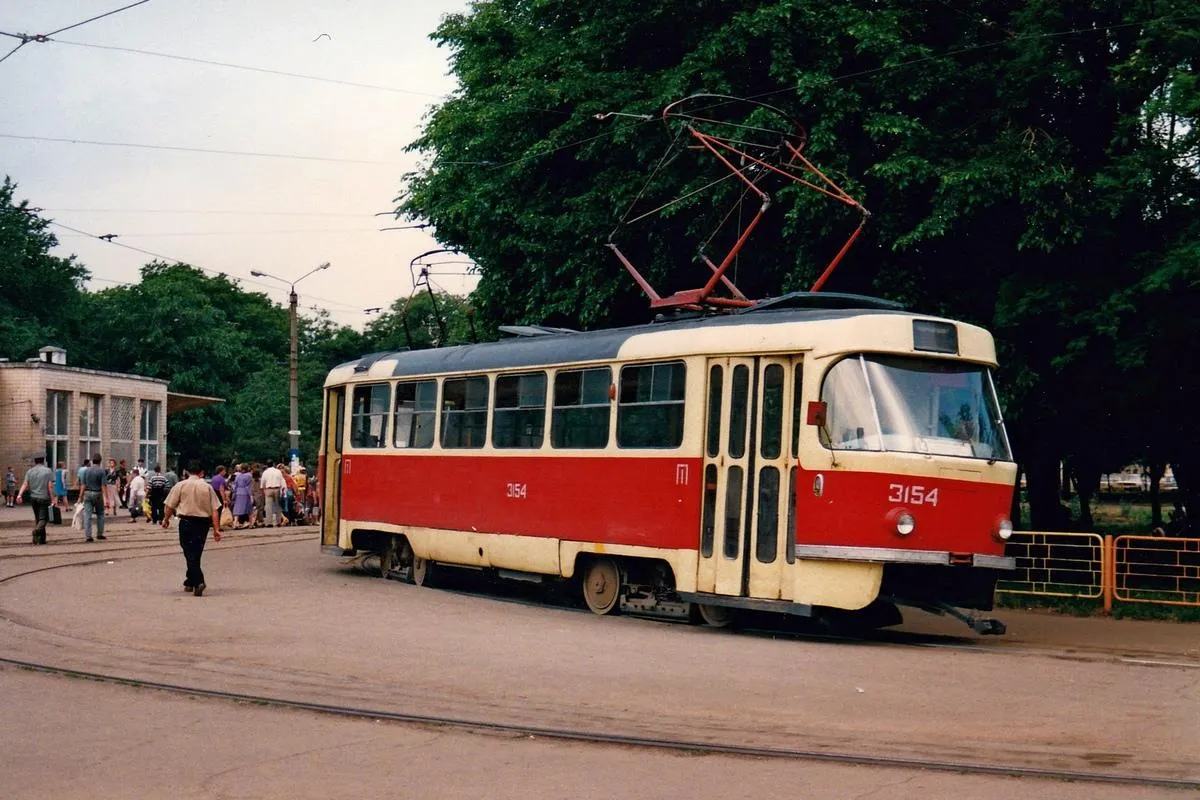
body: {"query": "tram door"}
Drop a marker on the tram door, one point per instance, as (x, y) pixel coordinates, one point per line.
(748, 475)
(331, 479)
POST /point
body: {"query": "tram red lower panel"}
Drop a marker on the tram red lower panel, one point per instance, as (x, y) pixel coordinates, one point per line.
(652, 502)
(852, 510)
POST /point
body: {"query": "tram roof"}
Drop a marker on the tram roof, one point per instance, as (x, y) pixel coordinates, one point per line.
(552, 347)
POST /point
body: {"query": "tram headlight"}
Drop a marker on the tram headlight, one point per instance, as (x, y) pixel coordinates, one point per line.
(905, 524)
(1004, 529)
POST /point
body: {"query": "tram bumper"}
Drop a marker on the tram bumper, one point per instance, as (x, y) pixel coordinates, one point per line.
(920, 577)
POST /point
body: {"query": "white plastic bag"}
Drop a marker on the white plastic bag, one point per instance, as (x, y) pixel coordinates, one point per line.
(77, 517)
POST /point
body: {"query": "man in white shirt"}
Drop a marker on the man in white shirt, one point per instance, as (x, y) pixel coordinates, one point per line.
(273, 484)
(137, 493)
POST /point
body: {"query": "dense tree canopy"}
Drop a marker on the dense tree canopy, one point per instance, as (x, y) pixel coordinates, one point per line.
(1031, 166)
(38, 291)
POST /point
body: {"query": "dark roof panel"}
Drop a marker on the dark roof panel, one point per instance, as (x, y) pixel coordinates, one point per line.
(565, 348)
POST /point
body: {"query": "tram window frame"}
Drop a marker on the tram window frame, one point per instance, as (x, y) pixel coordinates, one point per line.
(582, 401)
(648, 409)
(421, 423)
(770, 439)
(767, 536)
(375, 412)
(517, 422)
(460, 424)
(797, 406)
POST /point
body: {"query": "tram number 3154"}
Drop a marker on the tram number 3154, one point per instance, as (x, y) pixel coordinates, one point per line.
(518, 491)
(912, 495)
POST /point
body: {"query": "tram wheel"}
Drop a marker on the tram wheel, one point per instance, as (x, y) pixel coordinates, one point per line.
(423, 571)
(714, 616)
(602, 586)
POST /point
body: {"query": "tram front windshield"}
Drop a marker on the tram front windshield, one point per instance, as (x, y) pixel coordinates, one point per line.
(913, 405)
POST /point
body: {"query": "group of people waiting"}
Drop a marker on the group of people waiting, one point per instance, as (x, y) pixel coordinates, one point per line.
(264, 496)
(255, 495)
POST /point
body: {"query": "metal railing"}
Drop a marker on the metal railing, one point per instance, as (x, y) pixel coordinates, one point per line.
(1129, 569)
(1156, 569)
(1056, 565)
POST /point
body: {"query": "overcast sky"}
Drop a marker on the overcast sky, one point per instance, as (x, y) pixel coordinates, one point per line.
(230, 213)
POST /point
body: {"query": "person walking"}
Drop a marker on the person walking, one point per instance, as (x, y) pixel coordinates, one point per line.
(95, 490)
(60, 486)
(39, 480)
(10, 488)
(156, 493)
(196, 504)
(273, 485)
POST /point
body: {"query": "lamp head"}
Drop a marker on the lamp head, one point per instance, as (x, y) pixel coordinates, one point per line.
(256, 273)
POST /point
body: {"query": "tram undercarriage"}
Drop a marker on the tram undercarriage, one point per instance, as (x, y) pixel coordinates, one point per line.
(646, 587)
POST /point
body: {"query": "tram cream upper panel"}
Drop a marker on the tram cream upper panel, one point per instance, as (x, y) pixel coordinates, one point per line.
(892, 333)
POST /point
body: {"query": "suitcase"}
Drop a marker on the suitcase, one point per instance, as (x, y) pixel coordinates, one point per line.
(55, 515)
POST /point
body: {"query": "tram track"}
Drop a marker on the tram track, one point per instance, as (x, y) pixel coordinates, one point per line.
(530, 727)
(615, 739)
(881, 637)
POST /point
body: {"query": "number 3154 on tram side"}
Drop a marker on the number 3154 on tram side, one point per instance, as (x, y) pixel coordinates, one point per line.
(812, 455)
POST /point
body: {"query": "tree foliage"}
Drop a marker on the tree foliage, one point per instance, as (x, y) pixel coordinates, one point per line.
(1031, 166)
(39, 293)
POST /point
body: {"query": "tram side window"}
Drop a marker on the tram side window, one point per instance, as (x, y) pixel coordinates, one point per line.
(520, 417)
(368, 415)
(464, 412)
(650, 408)
(581, 405)
(416, 414)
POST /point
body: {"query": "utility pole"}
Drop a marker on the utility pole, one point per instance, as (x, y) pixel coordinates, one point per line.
(294, 376)
(293, 357)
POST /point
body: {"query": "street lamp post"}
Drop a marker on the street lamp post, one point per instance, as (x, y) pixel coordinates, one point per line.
(293, 358)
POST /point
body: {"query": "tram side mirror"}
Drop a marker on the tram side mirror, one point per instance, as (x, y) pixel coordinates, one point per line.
(816, 413)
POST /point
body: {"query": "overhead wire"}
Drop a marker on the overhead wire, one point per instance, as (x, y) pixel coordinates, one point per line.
(265, 286)
(280, 232)
(98, 16)
(211, 151)
(203, 211)
(21, 44)
(264, 70)
(45, 37)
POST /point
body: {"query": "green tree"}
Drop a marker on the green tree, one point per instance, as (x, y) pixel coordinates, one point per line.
(1031, 166)
(203, 334)
(39, 293)
(421, 321)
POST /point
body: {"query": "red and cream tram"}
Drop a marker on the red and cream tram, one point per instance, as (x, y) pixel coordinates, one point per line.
(815, 452)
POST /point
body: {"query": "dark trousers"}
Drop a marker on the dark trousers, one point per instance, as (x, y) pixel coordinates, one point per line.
(41, 516)
(157, 498)
(193, 533)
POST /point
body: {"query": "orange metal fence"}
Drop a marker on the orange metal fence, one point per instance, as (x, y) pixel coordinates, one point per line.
(1056, 565)
(1155, 569)
(1131, 569)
